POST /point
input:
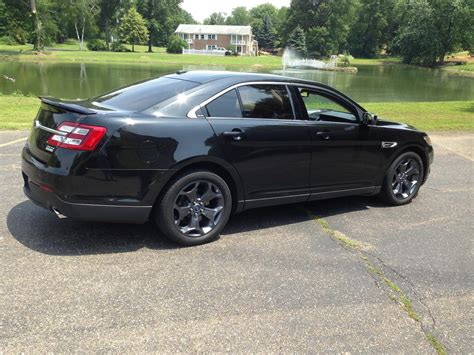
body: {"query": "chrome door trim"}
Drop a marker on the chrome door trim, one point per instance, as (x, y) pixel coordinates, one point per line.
(50, 130)
(192, 112)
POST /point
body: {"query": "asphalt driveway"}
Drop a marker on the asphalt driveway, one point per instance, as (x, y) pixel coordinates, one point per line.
(346, 275)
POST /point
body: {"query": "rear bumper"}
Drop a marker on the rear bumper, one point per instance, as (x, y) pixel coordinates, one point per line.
(39, 188)
(88, 212)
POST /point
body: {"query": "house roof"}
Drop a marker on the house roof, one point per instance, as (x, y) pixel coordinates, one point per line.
(214, 29)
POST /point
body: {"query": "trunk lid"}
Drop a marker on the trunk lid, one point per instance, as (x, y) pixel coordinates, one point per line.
(51, 114)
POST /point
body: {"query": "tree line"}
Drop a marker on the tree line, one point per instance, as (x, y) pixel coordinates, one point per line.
(421, 31)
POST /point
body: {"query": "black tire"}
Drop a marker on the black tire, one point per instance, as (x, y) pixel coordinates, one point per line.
(395, 178)
(176, 213)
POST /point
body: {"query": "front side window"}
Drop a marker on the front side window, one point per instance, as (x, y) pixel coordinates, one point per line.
(226, 105)
(324, 108)
(266, 101)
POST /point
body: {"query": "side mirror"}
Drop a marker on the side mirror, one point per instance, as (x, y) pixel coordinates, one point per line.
(304, 93)
(369, 118)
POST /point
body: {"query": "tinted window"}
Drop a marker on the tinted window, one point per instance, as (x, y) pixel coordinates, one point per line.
(226, 105)
(265, 101)
(140, 96)
(323, 108)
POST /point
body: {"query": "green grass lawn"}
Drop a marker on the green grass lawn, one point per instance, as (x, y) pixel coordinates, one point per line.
(70, 53)
(466, 70)
(428, 116)
(375, 61)
(18, 112)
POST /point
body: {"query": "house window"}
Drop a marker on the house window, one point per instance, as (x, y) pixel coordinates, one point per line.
(212, 37)
(211, 47)
(203, 36)
(196, 36)
(236, 38)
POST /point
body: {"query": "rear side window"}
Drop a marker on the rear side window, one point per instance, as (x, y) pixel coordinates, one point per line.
(226, 105)
(266, 101)
(141, 96)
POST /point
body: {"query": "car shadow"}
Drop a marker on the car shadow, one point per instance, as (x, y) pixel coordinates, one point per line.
(41, 231)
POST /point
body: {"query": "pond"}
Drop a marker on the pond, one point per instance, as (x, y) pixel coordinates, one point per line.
(373, 83)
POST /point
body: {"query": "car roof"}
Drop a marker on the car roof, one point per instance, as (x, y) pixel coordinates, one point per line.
(232, 77)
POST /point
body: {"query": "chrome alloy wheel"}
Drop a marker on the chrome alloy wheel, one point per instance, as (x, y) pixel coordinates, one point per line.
(405, 179)
(198, 208)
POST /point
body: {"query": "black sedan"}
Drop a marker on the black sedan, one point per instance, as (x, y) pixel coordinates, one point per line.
(187, 150)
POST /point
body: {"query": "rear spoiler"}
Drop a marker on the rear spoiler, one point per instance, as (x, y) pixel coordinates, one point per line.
(67, 105)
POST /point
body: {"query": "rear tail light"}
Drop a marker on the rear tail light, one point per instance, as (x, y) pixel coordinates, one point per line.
(77, 137)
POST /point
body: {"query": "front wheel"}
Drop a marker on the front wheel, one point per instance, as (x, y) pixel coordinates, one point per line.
(195, 208)
(403, 179)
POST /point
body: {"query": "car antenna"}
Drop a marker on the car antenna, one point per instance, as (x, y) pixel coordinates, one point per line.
(181, 72)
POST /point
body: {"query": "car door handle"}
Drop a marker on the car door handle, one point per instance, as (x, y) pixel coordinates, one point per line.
(323, 135)
(235, 134)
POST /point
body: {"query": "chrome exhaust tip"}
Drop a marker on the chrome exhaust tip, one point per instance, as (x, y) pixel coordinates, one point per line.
(59, 214)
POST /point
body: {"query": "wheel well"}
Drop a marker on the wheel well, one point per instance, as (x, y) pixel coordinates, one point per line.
(422, 156)
(212, 167)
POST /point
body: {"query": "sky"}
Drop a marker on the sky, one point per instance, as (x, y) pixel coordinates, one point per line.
(200, 9)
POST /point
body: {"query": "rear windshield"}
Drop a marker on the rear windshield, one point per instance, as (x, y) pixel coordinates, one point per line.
(141, 96)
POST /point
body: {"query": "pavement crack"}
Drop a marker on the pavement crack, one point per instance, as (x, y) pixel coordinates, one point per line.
(404, 295)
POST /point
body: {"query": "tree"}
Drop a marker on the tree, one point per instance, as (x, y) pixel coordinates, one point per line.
(216, 18)
(83, 13)
(281, 25)
(43, 27)
(38, 44)
(267, 36)
(434, 28)
(160, 17)
(257, 15)
(176, 45)
(132, 29)
(297, 41)
(239, 17)
(108, 13)
(326, 23)
(15, 20)
(375, 27)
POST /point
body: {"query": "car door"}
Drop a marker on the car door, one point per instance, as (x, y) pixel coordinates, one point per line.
(255, 127)
(344, 155)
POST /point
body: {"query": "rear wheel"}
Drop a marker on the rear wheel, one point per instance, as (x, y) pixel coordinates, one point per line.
(403, 179)
(195, 208)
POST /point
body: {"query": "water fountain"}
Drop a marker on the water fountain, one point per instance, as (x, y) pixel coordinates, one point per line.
(291, 60)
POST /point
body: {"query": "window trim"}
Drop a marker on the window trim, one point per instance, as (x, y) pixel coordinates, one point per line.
(193, 112)
(328, 94)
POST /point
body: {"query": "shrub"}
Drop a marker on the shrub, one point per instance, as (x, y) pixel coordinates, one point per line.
(344, 60)
(20, 36)
(71, 41)
(118, 47)
(8, 40)
(96, 45)
(176, 45)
